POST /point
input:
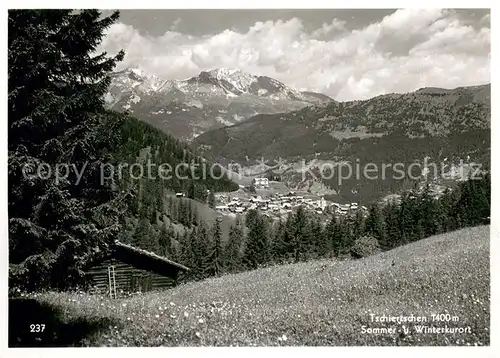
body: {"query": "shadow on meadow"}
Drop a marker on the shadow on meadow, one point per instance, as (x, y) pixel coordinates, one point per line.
(25, 314)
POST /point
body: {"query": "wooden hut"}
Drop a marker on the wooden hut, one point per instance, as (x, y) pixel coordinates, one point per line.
(129, 269)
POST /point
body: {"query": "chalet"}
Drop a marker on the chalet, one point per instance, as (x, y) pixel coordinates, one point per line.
(261, 182)
(129, 269)
(344, 208)
(254, 199)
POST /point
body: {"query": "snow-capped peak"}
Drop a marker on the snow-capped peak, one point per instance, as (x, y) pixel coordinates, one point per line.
(231, 81)
(226, 82)
(236, 82)
(138, 71)
(226, 72)
(238, 79)
(137, 76)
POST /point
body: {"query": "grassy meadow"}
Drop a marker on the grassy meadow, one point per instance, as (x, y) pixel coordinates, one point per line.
(320, 303)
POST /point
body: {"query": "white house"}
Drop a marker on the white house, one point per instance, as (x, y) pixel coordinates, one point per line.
(261, 182)
(322, 203)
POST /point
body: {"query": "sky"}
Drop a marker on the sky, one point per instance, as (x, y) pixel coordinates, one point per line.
(346, 54)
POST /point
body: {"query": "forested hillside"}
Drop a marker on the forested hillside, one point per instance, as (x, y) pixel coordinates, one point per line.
(302, 237)
(80, 178)
(449, 127)
(72, 188)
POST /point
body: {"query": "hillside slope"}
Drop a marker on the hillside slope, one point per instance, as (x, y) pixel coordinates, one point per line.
(426, 113)
(437, 123)
(324, 302)
(140, 155)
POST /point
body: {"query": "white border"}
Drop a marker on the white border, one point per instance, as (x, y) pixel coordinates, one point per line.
(251, 352)
(254, 4)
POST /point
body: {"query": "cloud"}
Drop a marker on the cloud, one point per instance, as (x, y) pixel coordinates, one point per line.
(175, 24)
(404, 51)
(327, 29)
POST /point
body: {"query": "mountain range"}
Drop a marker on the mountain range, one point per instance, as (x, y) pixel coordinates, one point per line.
(231, 116)
(443, 125)
(425, 113)
(210, 100)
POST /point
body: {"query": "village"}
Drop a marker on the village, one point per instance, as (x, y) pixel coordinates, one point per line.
(276, 203)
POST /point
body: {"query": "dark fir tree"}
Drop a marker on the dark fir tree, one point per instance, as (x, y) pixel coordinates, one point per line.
(56, 118)
(257, 248)
(429, 212)
(278, 251)
(301, 234)
(375, 226)
(341, 237)
(201, 250)
(331, 235)
(232, 250)
(215, 252)
(320, 245)
(287, 239)
(406, 218)
(211, 200)
(391, 219)
(165, 241)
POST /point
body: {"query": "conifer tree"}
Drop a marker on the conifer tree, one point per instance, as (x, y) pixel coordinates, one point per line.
(215, 256)
(251, 217)
(428, 212)
(320, 242)
(357, 225)
(288, 238)
(186, 252)
(445, 214)
(257, 248)
(232, 250)
(201, 249)
(56, 84)
(194, 216)
(191, 190)
(145, 237)
(278, 251)
(339, 236)
(165, 241)
(406, 219)
(375, 226)
(391, 219)
(175, 210)
(211, 200)
(301, 234)
(330, 234)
